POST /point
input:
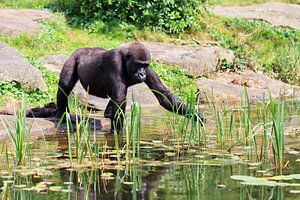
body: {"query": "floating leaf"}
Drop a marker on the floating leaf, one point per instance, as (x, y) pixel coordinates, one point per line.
(107, 174)
(293, 152)
(55, 188)
(7, 177)
(68, 183)
(170, 154)
(66, 190)
(243, 178)
(295, 191)
(20, 186)
(260, 183)
(255, 164)
(128, 183)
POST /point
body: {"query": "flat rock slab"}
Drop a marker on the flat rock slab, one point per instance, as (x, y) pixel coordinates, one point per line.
(39, 126)
(197, 60)
(15, 22)
(46, 125)
(140, 92)
(278, 14)
(227, 87)
(14, 67)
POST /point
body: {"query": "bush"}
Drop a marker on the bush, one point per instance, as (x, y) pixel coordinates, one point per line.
(173, 16)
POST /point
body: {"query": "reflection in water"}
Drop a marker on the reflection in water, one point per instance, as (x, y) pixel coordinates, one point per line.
(197, 175)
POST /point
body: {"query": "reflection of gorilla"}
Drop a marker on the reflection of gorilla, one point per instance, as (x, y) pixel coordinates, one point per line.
(108, 73)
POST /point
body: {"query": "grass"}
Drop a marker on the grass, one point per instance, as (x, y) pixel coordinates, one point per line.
(19, 134)
(257, 45)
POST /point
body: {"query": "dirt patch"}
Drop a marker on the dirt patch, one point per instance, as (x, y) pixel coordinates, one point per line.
(15, 22)
(278, 14)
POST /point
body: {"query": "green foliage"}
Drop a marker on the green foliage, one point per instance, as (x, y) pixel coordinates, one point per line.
(176, 78)
(261, 46)
(173, 16)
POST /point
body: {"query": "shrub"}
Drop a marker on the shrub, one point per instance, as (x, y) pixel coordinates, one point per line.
(173, 16)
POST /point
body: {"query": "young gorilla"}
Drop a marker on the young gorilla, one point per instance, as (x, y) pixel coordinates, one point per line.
(109, 73)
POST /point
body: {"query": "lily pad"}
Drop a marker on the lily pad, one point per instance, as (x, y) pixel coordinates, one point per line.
(20, 186)
(128, 183)
(107, 174)
(170, 154)
(66, 190)
(55, 188)
(295, 191)
(243, 178)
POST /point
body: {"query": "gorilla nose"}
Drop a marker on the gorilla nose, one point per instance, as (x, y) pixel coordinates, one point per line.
(142, 75)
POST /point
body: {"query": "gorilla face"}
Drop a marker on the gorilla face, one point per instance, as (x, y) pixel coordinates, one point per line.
(140, 74)
(136, 69)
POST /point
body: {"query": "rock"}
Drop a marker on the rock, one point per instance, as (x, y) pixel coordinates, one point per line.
(140, 92)
(278, 14)
(197, 60)
(14, 67)
(46, 126)
(15, 22)
(39, 126)
(54, 62)
(227, 87)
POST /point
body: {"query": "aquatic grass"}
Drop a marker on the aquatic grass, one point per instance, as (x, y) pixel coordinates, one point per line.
(81, 136)
(135, 128)
(277, 112)
(19, 133)
(188, 128)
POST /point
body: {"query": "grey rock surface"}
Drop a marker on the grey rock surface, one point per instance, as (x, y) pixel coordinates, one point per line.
(42, 126)
(14, 67)
(227, 87)
(197, 60)
(278, 14)
(15, 22)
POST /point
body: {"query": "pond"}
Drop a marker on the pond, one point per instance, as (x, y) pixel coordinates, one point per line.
(163, 168)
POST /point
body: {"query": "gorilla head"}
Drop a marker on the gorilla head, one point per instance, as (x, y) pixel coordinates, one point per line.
(137, 60)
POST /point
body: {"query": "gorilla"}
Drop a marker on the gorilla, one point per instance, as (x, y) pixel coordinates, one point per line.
(108, 74)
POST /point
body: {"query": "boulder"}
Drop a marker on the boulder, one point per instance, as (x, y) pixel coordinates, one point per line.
(15, 68)
(15, 22)
(227, 87)
(278, 14)
(197, 60)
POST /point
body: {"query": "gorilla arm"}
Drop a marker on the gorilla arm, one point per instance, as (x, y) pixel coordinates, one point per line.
(166, 99)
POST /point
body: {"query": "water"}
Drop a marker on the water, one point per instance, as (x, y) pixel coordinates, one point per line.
(160, 173)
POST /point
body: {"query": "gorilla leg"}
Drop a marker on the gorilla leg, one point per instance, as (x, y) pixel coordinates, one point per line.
(108, 110)
(67, 81)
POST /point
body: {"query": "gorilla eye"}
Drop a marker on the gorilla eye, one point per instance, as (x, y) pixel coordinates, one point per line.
(129, 54)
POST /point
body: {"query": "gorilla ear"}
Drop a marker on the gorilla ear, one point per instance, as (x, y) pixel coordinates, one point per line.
(128, 55)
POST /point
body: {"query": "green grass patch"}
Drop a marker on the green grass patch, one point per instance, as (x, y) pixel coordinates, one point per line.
(257, 45)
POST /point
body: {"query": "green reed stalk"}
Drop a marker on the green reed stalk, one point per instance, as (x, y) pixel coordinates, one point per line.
(278, 127)
(18, 132)
(69, 128)
(135, 128)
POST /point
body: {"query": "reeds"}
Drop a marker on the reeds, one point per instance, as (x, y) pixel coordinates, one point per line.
(19, 134)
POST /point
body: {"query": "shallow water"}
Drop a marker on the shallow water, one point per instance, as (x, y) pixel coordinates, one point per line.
(160, 173)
